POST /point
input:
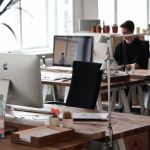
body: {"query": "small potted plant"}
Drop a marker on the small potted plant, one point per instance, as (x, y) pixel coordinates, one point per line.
(115, 28)
(5, 6)
(93, 27)
(54, 118)
(67, 119)
(98, 28)
(107, 28)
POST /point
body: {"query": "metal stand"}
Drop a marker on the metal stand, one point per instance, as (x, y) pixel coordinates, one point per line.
(108, 64)
(4, 87)
(110, 142)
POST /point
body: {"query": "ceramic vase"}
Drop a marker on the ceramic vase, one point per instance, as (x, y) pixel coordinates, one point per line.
(67, 123)
(107, 29)
(98, 29)
(115, 29)
(93, 29)
(54, 121)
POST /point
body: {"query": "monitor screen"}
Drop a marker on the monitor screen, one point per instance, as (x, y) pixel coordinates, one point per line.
(23, 72)
(70, 48)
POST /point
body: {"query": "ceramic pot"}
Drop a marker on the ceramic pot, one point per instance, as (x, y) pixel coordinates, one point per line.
(115, 29)
(54, 121)
(98, 29)
(93, 29)
(67, 123)
(107, 29)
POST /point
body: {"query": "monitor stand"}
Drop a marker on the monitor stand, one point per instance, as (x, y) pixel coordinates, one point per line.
(4, 89)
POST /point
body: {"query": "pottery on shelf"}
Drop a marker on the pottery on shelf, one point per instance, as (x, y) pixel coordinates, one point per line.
(114, 28)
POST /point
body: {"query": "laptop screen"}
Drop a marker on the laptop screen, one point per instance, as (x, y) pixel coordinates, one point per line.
(70, 48)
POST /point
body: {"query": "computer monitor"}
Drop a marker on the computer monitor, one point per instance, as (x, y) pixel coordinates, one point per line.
(23, 72)
(70, 48)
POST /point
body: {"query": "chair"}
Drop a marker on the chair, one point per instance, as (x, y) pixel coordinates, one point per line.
(146, 54)
(146, 88)
(85, 85)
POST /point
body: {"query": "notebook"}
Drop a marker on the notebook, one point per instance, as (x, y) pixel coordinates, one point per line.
(90, 116)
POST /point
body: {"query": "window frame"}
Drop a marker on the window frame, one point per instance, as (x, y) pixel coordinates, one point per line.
(116, 11)
(47, 48)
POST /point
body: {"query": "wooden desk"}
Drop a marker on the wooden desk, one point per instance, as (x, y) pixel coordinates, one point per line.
(141, 74)
(115, 87)
(138, 77)
(124, 125)
(144, 75)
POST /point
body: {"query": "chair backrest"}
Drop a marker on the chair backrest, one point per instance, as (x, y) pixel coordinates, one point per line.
(85, 85)
(146, 54)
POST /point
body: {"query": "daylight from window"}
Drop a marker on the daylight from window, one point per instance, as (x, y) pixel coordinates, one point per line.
(36, 24)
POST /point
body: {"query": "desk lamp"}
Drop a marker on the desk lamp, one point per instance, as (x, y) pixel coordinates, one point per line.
(108, 64)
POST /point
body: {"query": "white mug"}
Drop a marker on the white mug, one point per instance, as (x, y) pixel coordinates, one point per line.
(132, 68)
(137, 30)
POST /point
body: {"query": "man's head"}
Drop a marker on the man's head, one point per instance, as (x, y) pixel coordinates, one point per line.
(127, 27)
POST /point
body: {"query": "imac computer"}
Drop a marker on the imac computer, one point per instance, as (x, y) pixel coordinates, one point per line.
(20, 80)
(70, 48)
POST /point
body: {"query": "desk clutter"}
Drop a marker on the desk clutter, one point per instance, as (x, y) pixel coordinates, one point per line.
(122, 76)
(48, 134)
(127, 126)
(60, 69)
(55, 76)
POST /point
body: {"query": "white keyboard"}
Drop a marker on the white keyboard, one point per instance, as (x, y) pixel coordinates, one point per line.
(44, 110)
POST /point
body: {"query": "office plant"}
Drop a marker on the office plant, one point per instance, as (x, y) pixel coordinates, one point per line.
(98, 28)
(6, 5)
(93, 27)
(54, 117)
(67, 119)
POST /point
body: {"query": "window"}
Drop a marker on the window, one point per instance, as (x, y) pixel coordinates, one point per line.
(134, 10)
(118, 11)
(66, 1)
(106, 11)
(7, 40)
(36, 24)
(59, 18)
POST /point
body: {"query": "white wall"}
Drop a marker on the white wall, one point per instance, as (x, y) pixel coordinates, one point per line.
(90, 9)
(84, 9)
(77, 13)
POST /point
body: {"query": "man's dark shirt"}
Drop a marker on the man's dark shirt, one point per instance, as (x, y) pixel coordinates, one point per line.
(130, 53)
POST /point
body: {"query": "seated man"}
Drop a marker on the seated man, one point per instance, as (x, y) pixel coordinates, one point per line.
(131, 50)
